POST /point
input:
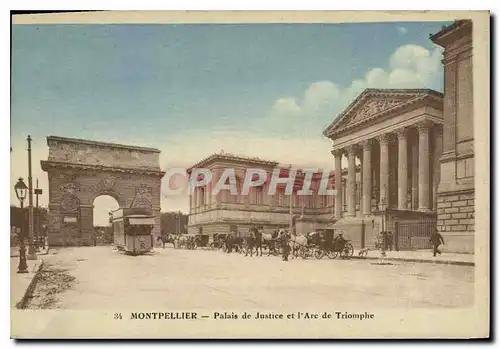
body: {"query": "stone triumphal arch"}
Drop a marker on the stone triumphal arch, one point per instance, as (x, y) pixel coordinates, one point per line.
(81, 170)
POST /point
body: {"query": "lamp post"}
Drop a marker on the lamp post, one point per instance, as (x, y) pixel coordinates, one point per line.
(31, 248)
(21, 191)
(178, 221)
(38, 191)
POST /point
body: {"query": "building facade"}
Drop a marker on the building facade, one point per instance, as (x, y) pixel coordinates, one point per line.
(223, 213)
(456, 187)
(396, 137)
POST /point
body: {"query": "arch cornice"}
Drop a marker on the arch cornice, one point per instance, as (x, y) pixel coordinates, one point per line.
(50, 165)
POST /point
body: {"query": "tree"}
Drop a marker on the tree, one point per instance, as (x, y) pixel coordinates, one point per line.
(170, 220)
(19, 217)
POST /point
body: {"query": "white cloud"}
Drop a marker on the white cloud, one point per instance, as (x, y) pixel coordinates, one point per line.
(402, 30)
(319, 96)
(285, 106)
(410, 66)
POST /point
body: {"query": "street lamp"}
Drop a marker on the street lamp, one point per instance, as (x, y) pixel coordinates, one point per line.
(38, 192)
(21, 191)
(31, 248)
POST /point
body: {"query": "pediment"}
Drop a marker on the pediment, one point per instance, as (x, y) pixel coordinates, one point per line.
(374, 103)
(371, 107)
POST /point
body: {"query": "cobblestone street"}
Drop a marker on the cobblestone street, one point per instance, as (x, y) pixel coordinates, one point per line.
(184, 279)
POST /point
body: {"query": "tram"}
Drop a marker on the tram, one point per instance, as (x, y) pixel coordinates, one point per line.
(133, 230)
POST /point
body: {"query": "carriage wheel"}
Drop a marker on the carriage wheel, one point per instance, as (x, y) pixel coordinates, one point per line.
(278, 251)
(223, 248)
(303, 252)
(319, 253)
(348, 251)
(331, 254)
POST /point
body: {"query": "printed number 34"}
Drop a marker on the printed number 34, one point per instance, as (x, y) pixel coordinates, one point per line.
(117, 316)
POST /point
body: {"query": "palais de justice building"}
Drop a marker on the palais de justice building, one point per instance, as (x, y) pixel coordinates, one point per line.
(410, 159)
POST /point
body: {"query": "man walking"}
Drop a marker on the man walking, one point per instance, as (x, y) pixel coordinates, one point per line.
(285, 246)
(436, 240)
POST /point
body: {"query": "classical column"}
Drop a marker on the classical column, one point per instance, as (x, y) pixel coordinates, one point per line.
(351, 181)
(367, 177)
(402, 169)
(190, 204)
(338, 182)
(414, 173)
(384, 171)
(194, 197)
(423, 166)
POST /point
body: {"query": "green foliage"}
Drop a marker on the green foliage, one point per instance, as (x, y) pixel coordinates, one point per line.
(169, 221)
(19, 217)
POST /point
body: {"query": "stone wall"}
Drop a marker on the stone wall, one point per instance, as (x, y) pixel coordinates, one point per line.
(455, 202)
(456, 221)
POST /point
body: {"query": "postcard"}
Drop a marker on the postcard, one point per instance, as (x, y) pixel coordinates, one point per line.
(250, 175)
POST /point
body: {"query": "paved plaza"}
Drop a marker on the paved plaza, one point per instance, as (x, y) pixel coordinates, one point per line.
(185, 279)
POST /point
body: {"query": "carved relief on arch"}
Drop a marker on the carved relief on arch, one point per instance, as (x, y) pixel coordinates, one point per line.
(141, 203)
(69, 187)
(144, 192)
(68, 175)
(70, 203)
(106, 184)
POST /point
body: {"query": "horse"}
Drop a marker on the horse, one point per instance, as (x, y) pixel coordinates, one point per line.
(232, 242)
(254, 240)
(296, 241)
(165, 239)
(269, 241)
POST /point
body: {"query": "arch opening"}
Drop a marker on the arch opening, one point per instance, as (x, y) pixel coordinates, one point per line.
(103, 231)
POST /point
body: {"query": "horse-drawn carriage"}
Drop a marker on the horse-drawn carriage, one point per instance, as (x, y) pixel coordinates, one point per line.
(218, 241)
(186, 241)
(324, 243)
(333, 246)
(201, 240)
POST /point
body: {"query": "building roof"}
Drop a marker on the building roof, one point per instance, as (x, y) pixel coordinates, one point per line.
(412, 95)
(100, 144)
(232, 157)
(445, 30)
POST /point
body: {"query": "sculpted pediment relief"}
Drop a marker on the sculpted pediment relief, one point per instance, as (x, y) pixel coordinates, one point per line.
(371, 108)
(374, 107)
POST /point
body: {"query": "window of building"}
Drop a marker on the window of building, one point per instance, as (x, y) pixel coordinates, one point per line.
(202, 196)
(280, 197)
(257, 196)
(296, 201)
(324, 201)
(465, 168)
(234, 198)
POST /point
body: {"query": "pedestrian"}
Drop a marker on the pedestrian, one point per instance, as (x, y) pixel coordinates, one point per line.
(229, 242)
(285, 246)
(390, 239)
(436, 240)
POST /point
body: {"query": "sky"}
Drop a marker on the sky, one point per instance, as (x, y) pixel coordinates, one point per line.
(266, 90)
